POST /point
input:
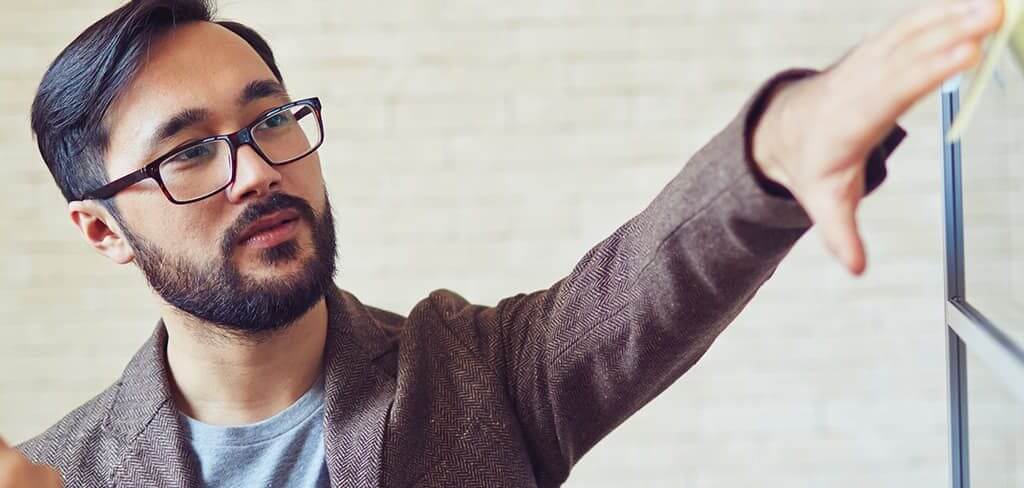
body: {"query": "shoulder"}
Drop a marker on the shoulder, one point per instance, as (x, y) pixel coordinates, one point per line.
(77, 445)
(464, 328)
(446, 301)
(454, 311)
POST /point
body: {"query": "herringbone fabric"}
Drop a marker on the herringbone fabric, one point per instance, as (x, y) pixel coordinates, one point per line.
(464, 395)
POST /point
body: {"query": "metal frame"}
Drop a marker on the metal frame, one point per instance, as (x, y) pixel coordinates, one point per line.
(966, 327)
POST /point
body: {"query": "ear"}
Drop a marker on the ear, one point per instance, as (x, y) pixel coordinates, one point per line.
(101, 231)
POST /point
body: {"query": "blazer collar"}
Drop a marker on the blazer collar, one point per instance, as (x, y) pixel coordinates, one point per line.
(359, 394)
(144, 418)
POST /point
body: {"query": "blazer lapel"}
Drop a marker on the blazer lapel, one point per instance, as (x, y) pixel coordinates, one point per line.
(145, 418)
(358, 396)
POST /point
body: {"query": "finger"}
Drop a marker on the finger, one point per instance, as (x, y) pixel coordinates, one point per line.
(913, 82)
(923, 19)
(843, 238)
(3, 445)
(951, 31)
(923, 62)
(836, 221)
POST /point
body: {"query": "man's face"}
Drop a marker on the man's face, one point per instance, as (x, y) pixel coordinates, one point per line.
(197, 256)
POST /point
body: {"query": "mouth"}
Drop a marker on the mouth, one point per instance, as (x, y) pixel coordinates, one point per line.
(271, 230)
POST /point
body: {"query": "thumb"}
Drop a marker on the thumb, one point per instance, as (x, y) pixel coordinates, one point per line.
(3, 445)
(836, 219)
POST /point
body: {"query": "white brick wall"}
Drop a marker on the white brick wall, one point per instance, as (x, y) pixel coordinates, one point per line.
(565, 118)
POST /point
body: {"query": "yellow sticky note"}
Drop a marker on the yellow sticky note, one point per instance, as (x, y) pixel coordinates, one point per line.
(1009, 33)
(1017, 42)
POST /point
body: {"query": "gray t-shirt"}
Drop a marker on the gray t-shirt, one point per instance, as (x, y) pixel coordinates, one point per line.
(286, 450)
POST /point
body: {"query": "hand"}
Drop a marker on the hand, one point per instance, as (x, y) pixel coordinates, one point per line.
(18, 472)
(816, 133)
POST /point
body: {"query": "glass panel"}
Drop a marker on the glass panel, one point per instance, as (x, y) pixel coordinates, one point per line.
(995, 430)
(993, 202)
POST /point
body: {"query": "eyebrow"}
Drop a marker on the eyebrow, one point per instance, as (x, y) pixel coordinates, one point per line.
(254, 90)
(178, 123)
(258, 89)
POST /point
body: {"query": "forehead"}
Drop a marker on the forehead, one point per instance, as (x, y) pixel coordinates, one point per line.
(200, 65)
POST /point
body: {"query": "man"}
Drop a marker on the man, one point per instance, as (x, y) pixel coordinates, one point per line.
(178, 148)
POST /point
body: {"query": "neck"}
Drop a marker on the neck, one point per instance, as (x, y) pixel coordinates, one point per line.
(227, 380)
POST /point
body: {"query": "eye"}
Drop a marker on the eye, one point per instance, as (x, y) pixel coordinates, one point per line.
(193, 153)
(277, 120)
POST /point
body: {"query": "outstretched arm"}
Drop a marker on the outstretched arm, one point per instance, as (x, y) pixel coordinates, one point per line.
(644, 305)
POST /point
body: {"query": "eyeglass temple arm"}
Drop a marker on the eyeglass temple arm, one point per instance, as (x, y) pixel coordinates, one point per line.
(112, 188)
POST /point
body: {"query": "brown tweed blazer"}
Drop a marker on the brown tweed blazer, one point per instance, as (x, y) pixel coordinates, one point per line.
(464, 395)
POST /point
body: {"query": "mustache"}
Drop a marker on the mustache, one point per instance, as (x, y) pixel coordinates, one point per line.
(274, 203)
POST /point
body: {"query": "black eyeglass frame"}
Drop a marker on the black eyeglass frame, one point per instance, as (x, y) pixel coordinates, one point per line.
(242, 137)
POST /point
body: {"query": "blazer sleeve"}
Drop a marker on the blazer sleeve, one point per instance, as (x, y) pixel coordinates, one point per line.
(643, 305)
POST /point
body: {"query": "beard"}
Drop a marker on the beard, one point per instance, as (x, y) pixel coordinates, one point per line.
(218, 293)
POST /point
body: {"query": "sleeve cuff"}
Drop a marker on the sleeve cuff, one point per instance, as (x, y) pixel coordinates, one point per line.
(875, 170)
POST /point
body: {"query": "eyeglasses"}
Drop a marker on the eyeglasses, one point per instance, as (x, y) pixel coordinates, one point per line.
(200, 169)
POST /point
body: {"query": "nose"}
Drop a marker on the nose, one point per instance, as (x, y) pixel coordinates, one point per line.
(255, 178)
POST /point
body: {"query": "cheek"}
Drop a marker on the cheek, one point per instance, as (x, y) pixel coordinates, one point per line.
(305, 179)
(203, 226)
(182, 230)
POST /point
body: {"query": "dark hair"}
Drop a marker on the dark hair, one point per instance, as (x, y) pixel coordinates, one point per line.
(91, 72)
